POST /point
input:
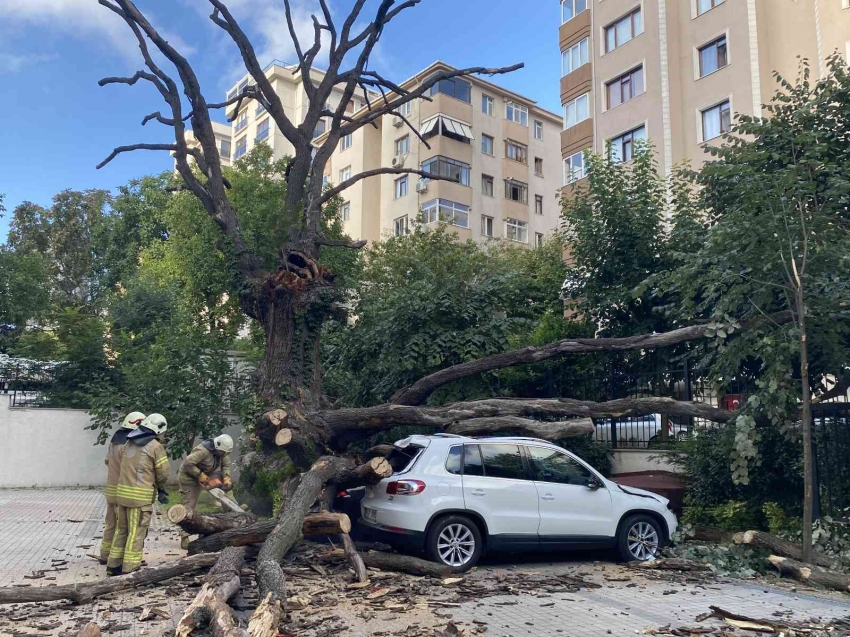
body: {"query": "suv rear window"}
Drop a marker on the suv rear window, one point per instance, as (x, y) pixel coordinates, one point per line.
(402, 459)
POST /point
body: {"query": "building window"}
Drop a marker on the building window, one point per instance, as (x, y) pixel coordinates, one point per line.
(516, 230)
(225, 149)
(345, 143)
(447, 127)
(708, 5)
(538, 130)
(406, 108)
(262, 130)
(345, 174)
(716, 121)
(454, 87)
(401, 187)
(622, 148)
(516, 191)
(576, 111)
(488, 106)
(623, 30)
(320, 128)
(449, 168)
(538, 166)
(487, 145)
(571, 8)
(487, 185)
(713, 57)
(260, 110)
(574, 57)
(400, 226)
(346, 211)
(402, 146)
(574, 168)
(486, 226)
(516, 113)
(326, 179)
(241, 147)
(626, 87)
(241, 121)
(538, 204)
(516, 151)
(538, 239)
(446, 211)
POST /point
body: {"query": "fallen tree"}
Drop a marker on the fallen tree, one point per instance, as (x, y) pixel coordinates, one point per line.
(811, 574)
(85, 592)
(397, 562)
(196, 523)
(780, 546)
(209, 608)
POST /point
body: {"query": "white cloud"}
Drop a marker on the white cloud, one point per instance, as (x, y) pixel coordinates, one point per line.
(12, 63)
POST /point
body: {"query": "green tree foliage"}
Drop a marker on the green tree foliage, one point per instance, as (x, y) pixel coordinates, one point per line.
(427, 300)
(23, 293)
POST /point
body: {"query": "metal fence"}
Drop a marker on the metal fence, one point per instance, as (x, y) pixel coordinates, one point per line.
(831, 438)
(45, 384)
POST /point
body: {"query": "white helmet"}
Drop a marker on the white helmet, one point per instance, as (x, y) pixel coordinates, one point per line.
(132, 420)
(156, 423)
(223, 443)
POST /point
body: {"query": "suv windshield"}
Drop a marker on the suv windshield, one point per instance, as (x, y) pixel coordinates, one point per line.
(402, 459)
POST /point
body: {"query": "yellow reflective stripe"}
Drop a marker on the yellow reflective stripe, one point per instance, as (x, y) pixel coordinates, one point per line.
(111, 489)
(132, 525)
(135, 490)
(161, 462)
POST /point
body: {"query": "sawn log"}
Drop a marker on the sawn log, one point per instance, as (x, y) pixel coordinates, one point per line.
(209, 608)
(779, 546)
(195, 523)
(811, 574)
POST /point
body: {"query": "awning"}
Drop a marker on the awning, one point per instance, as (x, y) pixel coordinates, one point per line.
(450, 125)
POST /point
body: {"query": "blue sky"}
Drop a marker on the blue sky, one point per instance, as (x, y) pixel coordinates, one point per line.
(59, 124)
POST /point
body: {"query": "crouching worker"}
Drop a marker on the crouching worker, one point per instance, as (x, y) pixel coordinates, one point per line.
(206, 467)
(113, 471)
(144, 473)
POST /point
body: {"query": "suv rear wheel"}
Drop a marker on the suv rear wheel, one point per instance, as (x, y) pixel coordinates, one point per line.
(455, 541)
(641, 538)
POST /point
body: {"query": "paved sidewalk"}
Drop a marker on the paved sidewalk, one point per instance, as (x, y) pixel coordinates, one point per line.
(43, 528)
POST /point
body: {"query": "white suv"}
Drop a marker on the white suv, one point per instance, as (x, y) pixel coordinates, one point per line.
(456, 496)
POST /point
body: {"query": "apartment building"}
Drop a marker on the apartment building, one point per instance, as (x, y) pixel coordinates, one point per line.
(500, 150)
(252, 124)
(675, 72)
(222, 141)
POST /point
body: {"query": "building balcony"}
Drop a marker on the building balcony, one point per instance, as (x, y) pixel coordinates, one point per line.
(577, 137)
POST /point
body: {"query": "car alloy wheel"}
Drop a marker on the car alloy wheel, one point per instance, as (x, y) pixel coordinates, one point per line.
(456, 545)
(642, 541)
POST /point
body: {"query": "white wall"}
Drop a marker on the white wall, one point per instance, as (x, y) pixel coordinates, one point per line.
(640, 460)
(53, 448)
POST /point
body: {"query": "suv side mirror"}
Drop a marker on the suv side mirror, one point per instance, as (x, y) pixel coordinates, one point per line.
(593, 484)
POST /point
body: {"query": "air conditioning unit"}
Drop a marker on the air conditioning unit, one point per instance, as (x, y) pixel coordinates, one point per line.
(422, 186)
(398, 161)
(398, 122)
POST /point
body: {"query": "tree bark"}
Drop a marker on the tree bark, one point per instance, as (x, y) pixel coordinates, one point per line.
(83, 593)
(195, 523)
(523, 427)
(806, 416)
(419, 391)
(89, 630)
(370, 472)
(209, 608)
(256, 533)
(354, 558)
(277, 316)
(779, 546)
(396, 562)
(811, 574)
(265, 619)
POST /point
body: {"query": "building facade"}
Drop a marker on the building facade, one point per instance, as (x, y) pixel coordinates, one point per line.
(499, 149)
(675, 72)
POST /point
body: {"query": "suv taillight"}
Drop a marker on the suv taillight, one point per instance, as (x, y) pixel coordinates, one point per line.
(405, 487)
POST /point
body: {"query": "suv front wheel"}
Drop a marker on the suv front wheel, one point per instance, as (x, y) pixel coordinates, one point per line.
(455, 541)
(641, 538)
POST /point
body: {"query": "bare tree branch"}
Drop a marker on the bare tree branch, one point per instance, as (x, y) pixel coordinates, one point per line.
(348, 183)
(132, 147)
(342, 243)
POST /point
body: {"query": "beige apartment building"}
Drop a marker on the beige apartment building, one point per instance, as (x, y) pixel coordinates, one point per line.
(500, 150)
(675, 72)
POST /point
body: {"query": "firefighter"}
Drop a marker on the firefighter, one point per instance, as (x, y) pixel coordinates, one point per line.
(113, 464)
(206, 467)
(144, 472)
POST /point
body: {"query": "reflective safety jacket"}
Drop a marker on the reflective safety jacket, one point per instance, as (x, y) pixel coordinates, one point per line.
(203, 459)
(144, 468)
(113, 464)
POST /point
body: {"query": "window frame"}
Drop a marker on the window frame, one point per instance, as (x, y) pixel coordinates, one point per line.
(453, 81)
(516, 108)
(593, 473)
(406, 139)
(714, 4)
(346, 142)
(399, 185)
(404, 221)
(575, 104)
(221, 147)
(570, 180)
(619, 80)
(539, 239)
(345, 211)
(443, 161)
(538, 204)
(609, 142)
(243, 142)
(241, 121)
(343, 172)
(437, 205)
(719, 107)
(267, 130)
(538, 161)
(520, 225)
(488, 179)
(567, 54)
(521, 151)
(574, 12)
(522, 188)
(538, 126)
(712, 43)
(490, 103)
(613, 26)
(406, 108)
(484, 223)
(492, 141)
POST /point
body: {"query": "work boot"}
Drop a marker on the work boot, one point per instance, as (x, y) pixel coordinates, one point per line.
(112, 571)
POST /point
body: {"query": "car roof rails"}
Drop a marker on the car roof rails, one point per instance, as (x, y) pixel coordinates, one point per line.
(442, 435)
(518, 438)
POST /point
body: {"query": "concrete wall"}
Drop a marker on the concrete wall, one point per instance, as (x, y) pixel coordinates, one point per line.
(642, 460)
(53, 448)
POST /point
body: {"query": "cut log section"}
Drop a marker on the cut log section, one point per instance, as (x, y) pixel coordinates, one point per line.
(370, 472)
(85, 592)
(354, 558)
(209, 608)
(195, 523)
(779, 546)
(313, 524)
(283, 437)
(811, 574)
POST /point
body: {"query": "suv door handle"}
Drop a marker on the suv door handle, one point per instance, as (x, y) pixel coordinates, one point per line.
(547, 496)
(479, 492)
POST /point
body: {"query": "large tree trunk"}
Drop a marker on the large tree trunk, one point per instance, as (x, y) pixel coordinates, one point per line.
(275, 375)
(811, 574)
(806, 416)
(209, 608)
(195, 523)
(85, 592)
(780, 547)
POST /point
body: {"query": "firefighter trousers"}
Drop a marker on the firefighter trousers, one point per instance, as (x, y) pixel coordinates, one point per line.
(190, 491)
(109, 525)
(128, 543)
